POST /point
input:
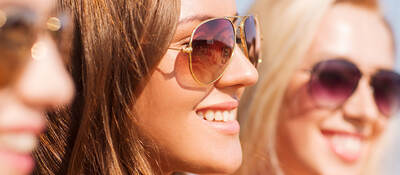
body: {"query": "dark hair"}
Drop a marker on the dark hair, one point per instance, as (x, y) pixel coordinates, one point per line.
(117, 44)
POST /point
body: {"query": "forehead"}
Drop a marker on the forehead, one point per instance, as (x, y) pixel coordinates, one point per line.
(212, 8)
(39, 6)
(354, 33)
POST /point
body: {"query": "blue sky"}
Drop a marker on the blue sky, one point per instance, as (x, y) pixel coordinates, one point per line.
(392, 10)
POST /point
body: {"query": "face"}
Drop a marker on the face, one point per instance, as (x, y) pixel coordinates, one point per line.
(39, 82)
(172, 108)
(319, 140)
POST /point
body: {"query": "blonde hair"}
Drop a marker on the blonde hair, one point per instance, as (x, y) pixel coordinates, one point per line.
(288, 28)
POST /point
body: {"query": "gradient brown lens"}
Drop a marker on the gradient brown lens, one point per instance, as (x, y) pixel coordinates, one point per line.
(61, 30)
(333, 82)
(17, 36)
(212, 44)
(386, 85)
(252, 39)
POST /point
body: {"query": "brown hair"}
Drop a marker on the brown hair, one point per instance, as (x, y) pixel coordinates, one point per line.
(117, 44)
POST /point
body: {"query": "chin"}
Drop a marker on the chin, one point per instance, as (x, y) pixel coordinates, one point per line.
(335, 170)
(228, 167)
(328, 164)
(219, 161)
(230, 159)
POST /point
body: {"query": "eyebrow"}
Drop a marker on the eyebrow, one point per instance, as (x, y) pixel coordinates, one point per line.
(197, 18)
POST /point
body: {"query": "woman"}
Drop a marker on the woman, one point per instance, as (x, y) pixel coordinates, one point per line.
(33, 78)
(327, 89)
(158, 88)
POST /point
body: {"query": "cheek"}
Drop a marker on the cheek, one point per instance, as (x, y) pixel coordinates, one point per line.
(299, 136)
(166, 115)
(380, 126)
(298, 131)
(292, 126)
(301, 145)
(164, 103)
(297, 100)
(165, 110)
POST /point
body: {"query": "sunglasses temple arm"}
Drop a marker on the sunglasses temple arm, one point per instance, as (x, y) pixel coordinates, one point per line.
(174, 48)
(184, 49)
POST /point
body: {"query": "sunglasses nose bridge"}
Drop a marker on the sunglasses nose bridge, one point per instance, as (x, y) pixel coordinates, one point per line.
(361, 104)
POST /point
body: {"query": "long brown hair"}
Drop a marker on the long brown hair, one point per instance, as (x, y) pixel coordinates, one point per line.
(116, 46)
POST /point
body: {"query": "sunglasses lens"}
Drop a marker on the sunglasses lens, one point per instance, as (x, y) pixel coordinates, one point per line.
(16, 40)
(252, 43)
(60, 28)
(386, 86)
(212, 44)
(333, 81)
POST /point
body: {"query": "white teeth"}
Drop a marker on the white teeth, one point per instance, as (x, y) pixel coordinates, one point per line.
(225, 115)
(22, 142)
(346, 144)
(218, 116)
(209, 115)
(232, 115)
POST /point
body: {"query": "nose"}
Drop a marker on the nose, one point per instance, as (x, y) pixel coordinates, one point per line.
(45, 82)
(361, 105)
(240, 72)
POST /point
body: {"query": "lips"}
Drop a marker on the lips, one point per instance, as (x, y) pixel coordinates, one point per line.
(16, 149)
(21, 143)
(346, 145)
(21, 163)
(221, 117)
(19, 131)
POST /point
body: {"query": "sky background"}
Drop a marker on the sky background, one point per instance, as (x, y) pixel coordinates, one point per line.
(391, 8)
(391, 161)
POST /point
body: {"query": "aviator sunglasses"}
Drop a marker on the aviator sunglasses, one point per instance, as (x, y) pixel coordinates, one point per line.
(334, 81)
(20, 28)
(212, 44)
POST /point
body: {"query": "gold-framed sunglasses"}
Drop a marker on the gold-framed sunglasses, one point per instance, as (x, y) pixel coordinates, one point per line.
(212, 44)
(20, 28)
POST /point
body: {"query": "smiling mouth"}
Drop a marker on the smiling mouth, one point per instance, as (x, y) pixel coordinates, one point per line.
(16, 149)
(217, 115)
(223, 121)
(346, 146)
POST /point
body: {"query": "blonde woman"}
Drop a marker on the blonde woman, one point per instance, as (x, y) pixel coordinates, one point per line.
(326, 91)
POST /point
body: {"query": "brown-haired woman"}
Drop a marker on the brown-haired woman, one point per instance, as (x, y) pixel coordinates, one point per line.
(157, 91)
(33, 78)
